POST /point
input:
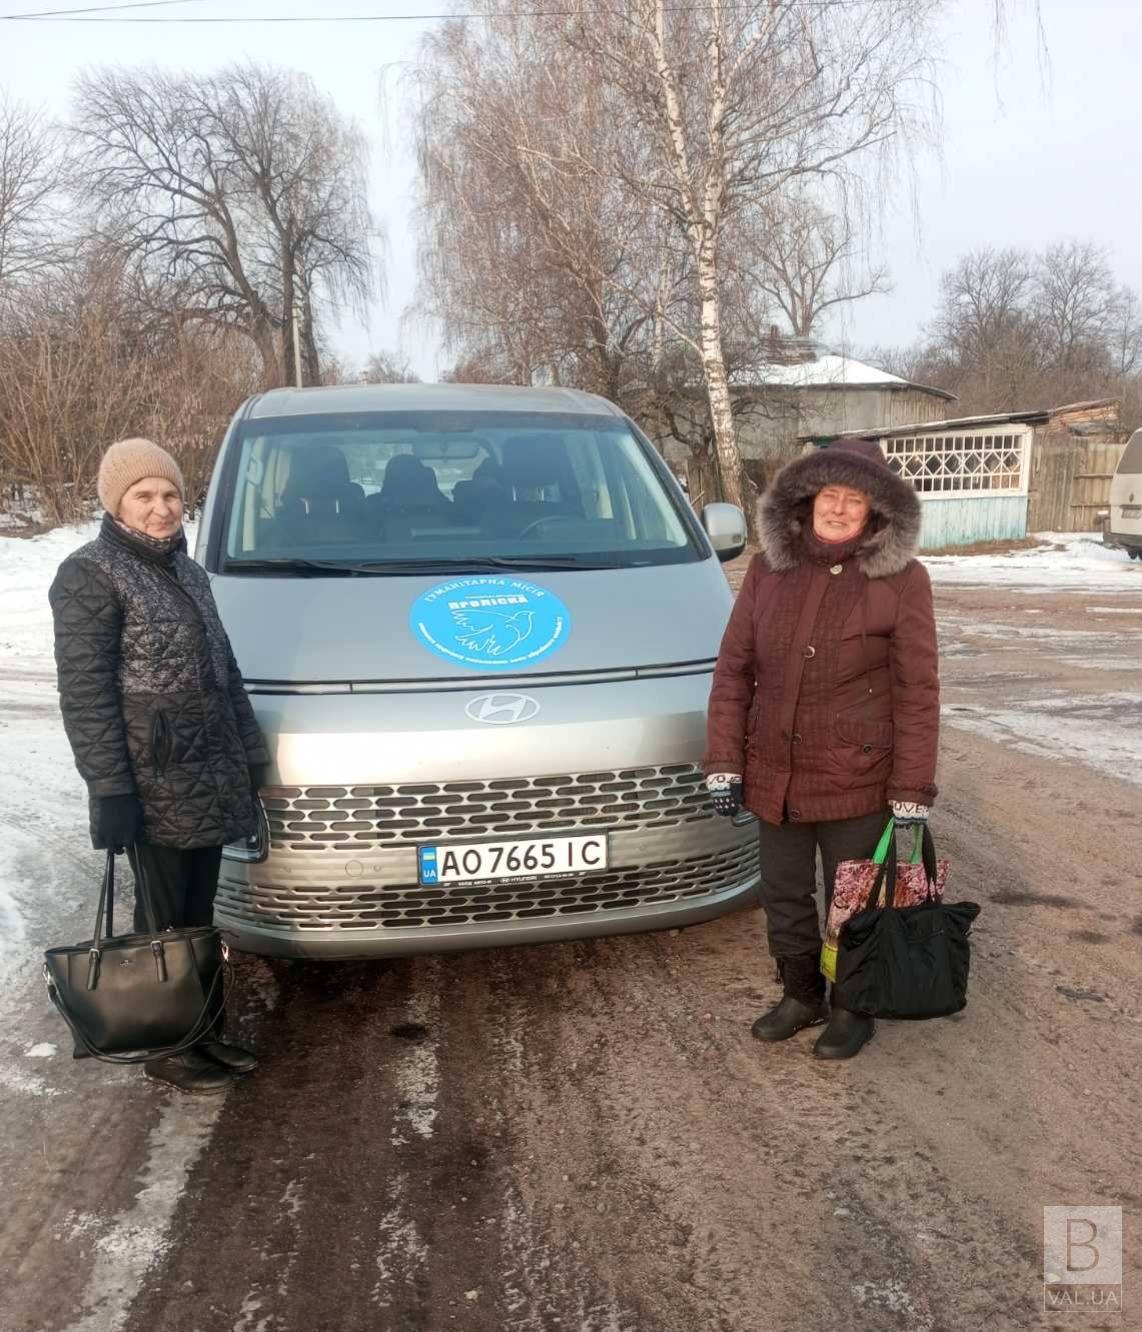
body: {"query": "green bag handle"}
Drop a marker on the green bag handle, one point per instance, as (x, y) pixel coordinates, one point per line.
(880, 855)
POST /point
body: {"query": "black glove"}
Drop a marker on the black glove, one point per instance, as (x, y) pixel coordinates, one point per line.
(257, 773)
(118, 822)
(725, 790)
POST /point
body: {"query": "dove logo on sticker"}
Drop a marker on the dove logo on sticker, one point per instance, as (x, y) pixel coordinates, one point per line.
(489, 623)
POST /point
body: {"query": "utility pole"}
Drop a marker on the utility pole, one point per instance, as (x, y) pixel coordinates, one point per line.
(296, 348)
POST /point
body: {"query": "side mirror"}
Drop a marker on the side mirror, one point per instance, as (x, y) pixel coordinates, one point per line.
(725, 526)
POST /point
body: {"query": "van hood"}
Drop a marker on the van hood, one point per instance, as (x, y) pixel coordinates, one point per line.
(479, 627)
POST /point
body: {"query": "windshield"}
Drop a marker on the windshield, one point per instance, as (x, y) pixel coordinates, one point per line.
(396, 492)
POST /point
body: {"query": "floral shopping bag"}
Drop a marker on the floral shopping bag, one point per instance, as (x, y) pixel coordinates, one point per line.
(854, 885)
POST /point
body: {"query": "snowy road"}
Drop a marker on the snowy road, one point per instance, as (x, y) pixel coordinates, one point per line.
(584, 1138)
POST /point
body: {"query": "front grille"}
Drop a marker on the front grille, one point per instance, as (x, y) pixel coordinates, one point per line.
(408, 905)
(314, 818)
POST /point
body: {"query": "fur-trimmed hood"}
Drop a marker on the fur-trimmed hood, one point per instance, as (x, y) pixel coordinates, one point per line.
(786, 507)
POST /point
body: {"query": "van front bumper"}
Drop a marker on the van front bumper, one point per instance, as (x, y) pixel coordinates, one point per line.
(345, 945)
(340, 878)
(327, 904)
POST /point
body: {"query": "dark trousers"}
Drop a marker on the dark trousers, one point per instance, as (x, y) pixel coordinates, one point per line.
(182, 884)
(789, 874)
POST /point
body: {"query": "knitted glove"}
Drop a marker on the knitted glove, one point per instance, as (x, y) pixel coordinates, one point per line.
(725, 790)
(118, 822)
(908, 815)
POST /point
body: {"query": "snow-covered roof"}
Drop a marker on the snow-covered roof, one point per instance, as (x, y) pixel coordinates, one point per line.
(834, 370)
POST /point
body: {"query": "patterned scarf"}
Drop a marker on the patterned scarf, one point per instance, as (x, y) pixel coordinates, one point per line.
(158, 548)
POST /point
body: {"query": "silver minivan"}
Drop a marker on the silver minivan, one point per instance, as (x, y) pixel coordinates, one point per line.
(478, 626)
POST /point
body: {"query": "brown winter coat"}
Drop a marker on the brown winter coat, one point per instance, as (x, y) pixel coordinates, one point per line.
(826, 692)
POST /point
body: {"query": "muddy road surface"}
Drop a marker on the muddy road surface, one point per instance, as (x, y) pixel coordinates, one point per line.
(584, 1137)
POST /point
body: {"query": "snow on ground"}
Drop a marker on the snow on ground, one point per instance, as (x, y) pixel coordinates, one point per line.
(999, 670)
(1101, 731)
(1065, 560)
(43, 805)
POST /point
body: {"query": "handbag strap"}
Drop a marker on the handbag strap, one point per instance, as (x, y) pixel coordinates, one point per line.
(885, 879)
(105, 911)
(105, 917)
(927, 844)
(881, 853)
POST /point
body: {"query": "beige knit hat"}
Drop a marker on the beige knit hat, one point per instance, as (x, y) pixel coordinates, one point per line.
(129, 461)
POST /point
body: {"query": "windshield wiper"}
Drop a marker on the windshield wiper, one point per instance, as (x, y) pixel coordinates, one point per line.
(395, 568)
(286, 566)
(536, 562)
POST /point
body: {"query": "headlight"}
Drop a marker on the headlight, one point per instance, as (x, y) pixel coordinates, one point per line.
(253, 849)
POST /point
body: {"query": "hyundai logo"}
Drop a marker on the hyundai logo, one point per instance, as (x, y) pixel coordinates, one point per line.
(502, 709)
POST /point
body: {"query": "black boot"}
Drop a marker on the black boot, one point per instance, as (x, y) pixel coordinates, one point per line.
(844, 1036)
(803, 1003)
(233, 1058)
(189, 1072)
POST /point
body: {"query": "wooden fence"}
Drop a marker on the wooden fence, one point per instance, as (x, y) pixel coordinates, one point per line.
(1070, 481)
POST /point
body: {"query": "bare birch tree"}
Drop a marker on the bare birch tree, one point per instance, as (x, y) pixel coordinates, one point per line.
(743, 102)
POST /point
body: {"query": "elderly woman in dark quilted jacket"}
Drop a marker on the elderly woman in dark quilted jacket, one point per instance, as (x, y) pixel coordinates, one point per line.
(825, 707)
(156, 712)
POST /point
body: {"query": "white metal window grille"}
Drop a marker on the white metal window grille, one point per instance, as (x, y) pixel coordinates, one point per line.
(993, 462)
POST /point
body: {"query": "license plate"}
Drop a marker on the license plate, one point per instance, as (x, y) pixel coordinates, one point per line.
(532, 858)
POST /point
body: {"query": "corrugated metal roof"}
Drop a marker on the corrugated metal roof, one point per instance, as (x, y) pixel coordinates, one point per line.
(957, 423)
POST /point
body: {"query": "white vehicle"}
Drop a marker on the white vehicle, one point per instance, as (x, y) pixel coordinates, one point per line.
(1122, 526)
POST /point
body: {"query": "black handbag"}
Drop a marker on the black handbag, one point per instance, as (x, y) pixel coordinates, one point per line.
(136, 997)
(905, 962)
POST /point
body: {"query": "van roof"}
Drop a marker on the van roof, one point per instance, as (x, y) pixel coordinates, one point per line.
(428, 398)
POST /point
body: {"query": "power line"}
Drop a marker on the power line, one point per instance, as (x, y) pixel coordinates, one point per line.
(95, 9)
(84, 15)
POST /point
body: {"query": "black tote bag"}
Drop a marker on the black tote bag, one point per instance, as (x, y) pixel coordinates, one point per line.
(906, 962)
(136, 997)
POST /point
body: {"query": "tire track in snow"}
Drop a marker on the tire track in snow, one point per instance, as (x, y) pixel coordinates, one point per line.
(402, 1256)
(129, 1244)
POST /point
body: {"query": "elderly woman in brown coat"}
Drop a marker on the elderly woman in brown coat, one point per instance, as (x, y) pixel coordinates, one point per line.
(825, 708)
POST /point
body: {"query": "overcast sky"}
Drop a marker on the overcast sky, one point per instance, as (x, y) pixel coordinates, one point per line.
(1036, 147)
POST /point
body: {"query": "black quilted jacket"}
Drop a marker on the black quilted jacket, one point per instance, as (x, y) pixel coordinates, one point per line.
(152, 699)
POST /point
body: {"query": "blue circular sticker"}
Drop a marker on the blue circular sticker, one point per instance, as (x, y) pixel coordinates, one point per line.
(490, 624)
